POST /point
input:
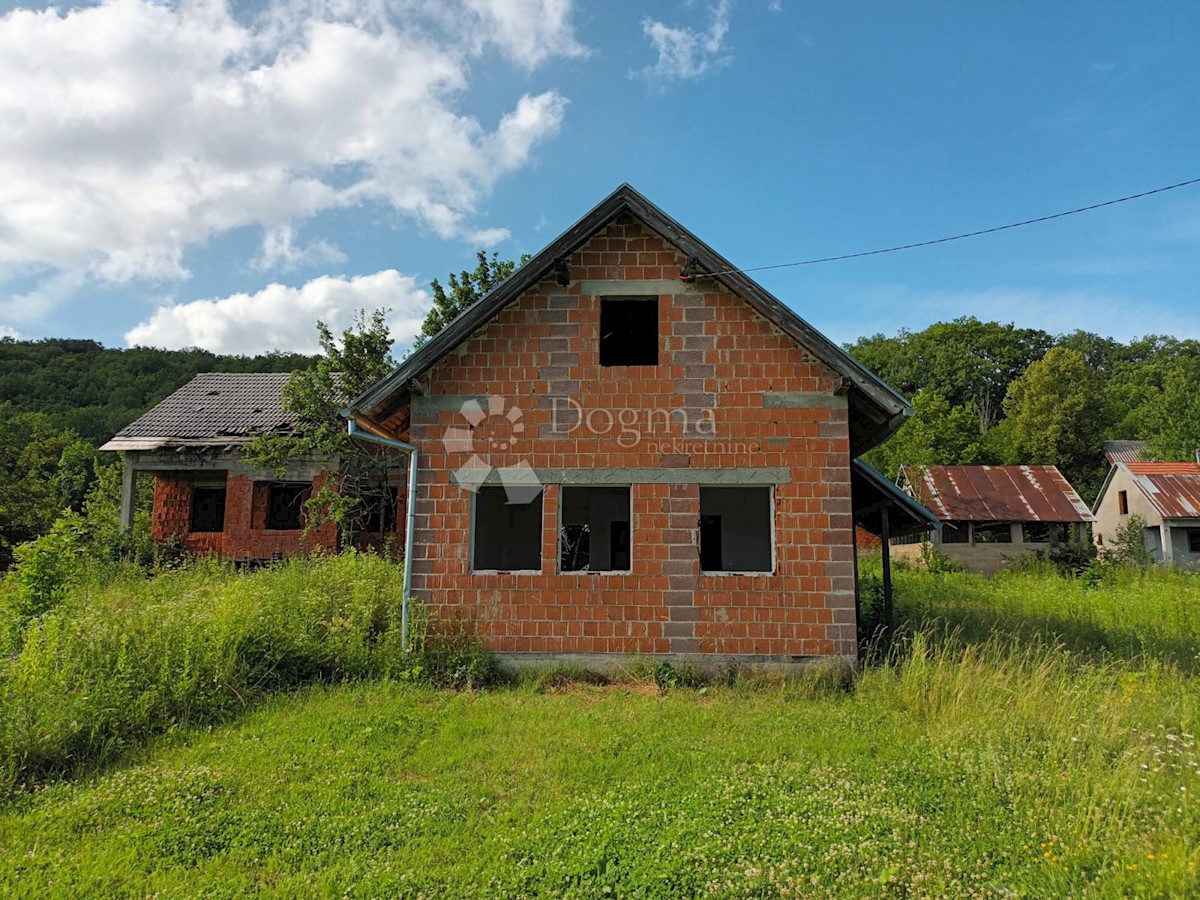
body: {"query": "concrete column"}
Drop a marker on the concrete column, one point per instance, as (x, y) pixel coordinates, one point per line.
(1168, 552)
(128, 493)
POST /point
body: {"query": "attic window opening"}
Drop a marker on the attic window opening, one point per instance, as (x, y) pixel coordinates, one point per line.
(285, 505)
(629, 331)
(1123, 502)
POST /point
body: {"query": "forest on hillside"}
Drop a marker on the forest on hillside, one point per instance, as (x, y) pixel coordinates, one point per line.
(991, 393)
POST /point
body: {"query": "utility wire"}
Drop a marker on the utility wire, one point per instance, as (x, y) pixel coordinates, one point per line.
(969, 234)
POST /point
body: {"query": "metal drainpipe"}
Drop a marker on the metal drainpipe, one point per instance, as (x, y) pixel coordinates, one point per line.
(409, 515)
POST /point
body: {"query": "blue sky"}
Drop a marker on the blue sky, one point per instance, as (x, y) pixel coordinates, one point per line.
(213, 175)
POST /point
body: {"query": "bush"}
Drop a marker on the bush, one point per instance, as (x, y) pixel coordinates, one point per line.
(43, 570)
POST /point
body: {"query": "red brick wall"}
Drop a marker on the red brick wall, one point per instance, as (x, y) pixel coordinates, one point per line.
(245, 536)
(717, 354)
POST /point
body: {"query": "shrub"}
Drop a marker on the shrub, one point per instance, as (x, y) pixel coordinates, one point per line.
(1128, 546)
(43, 570)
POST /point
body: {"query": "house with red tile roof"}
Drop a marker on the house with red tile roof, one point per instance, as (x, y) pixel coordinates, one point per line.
(1166, 495)
(990, 515)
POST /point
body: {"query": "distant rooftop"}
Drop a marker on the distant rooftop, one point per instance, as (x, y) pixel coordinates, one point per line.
(1172, 488)
(997, 493)
(212, 409)
(1123, 451)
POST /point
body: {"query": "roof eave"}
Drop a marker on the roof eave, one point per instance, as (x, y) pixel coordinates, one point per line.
(891, 407)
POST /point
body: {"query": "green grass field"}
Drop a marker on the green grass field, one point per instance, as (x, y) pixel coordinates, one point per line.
(1029, 736)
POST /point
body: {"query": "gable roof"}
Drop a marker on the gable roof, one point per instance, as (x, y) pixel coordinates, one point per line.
(876, 409)
(1173, 488)
(997, 493)
(1123, 451)
(213, 408)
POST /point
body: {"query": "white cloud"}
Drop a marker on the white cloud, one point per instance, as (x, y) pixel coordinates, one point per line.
(132, 130)
(6, 332)
(685, 52)
(283, 318)
(279, 251)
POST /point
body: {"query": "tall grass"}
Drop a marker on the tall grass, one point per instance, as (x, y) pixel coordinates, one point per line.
(127, 657)
(1126, 616)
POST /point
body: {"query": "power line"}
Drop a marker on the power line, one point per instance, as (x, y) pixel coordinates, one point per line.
(969, 234)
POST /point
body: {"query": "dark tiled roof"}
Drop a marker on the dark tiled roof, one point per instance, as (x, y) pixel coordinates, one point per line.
(1123, 451)
(216, 406)
(997, 493)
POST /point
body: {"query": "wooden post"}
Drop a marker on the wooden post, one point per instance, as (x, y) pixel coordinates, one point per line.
(886, 538)
(128, 494)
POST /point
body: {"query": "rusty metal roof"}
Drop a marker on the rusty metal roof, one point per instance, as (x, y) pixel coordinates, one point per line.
(216, 408)
(1123, 451)
(997, 493)
(1172, 488)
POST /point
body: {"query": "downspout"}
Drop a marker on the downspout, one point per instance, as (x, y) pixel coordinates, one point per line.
(410, 516)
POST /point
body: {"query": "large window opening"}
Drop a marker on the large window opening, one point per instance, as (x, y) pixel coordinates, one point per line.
(285, 505)
(735, 529)
(956, 532)
(379, 509)
(208, 509)
(993, 533)
(629, 331)
(595, 534)
(507, 536)
(1044, 532)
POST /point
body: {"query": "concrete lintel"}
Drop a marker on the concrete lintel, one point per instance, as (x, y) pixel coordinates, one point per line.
(802, 400)
(437, 403)
(228, 462)
(649, 288)
(763, 475)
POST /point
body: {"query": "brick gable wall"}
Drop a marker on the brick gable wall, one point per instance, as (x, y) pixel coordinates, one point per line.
(718, 358)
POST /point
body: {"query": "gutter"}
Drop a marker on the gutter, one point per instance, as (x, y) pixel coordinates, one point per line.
(410, 515)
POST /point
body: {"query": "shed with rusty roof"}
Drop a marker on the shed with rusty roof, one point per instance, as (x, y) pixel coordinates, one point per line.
(1166, 498)
(992, 514)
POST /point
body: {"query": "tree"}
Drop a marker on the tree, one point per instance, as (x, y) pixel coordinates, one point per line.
(1171, 416)
(1057, 416)
(466, 289)
(970, 363)
(31, 448)
(316, 396)
(937, 434)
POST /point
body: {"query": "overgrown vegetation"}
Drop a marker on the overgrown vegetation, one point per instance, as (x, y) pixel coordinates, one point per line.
(1026, 735)
(96, 657)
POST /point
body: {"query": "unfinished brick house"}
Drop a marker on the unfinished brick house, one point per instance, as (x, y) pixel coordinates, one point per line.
(629, 447)
(205, 495)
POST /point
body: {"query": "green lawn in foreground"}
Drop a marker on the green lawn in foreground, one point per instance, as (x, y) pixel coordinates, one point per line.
(979, 761)
(962, 775)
